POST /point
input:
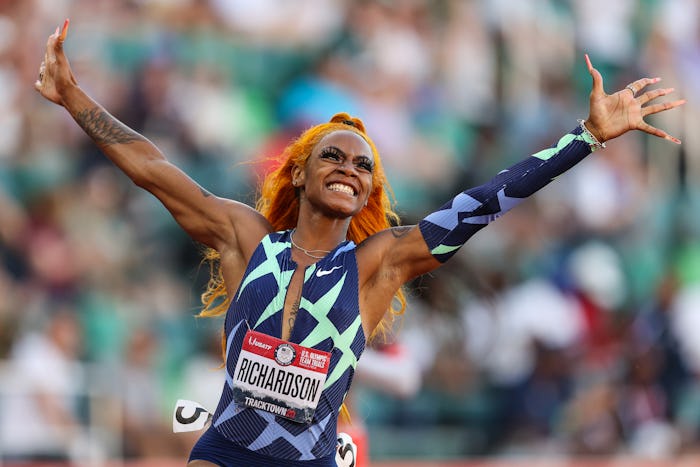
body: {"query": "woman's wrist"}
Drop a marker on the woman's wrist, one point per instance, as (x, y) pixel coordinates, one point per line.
(71, 95)
(593, 130)
(596, 139)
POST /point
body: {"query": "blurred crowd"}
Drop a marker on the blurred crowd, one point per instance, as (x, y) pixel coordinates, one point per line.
(570, 326)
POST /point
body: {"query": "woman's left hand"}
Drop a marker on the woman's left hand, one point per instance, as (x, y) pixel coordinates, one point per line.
(611, 115)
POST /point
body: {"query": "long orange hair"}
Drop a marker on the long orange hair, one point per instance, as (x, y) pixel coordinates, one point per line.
(278, 201)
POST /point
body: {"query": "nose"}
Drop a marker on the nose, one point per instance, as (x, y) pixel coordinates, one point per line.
(347, 167)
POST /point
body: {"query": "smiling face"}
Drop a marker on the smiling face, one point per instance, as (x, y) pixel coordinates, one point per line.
(337, 177)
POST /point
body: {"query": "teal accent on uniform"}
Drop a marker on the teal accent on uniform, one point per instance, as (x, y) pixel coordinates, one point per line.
(325, 329)
(347, 359)
(271, 266)
(443, 249)
(565, 140)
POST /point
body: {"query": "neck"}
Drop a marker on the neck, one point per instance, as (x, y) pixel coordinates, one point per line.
(316, 254)
(320, 233)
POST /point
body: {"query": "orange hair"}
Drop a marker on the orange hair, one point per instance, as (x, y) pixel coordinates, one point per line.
(278, 201)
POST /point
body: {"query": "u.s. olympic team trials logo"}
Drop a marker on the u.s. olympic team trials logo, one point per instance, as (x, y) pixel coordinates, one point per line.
(284, 354)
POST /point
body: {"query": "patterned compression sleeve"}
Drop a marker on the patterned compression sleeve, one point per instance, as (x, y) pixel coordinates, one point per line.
(447, 229)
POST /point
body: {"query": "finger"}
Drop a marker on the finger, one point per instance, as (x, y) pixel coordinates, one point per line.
(64, 31)
(641, 83)
(58, 46)
(597, 88)
(646, 128)
(651, 95)
(51, 49)
(51, 53)
(656, 108)
(51, 42)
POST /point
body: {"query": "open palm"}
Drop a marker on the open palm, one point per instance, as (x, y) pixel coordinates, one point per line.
(611, 115)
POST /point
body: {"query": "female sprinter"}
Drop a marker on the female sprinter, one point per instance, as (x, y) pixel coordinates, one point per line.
(309, 274)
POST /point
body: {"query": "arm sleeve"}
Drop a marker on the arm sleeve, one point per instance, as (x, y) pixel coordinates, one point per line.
(448, 228)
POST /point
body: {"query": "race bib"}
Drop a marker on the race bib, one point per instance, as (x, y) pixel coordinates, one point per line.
(280, 377)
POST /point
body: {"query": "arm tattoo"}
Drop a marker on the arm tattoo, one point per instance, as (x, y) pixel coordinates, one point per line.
(104, 128)
(204, 192)
(401, 231)
(293, 316)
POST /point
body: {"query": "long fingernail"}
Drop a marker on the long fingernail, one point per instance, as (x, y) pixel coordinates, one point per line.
(64, 30)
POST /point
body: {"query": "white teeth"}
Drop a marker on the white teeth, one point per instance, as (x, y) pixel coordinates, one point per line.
(342, 188)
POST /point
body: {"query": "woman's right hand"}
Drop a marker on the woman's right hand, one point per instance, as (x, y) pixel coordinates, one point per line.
(55, 74)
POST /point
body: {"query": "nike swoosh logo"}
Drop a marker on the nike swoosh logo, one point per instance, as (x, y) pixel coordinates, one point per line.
(325, 272)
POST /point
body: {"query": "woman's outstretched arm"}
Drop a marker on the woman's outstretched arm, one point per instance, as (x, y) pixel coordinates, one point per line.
(610, 116)
(206, 218)
(392, 257)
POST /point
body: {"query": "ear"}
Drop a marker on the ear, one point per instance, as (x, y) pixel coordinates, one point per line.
(297, 176)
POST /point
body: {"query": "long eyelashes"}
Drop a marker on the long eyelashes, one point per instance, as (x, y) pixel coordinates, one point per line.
(365, 165)
(333, 153)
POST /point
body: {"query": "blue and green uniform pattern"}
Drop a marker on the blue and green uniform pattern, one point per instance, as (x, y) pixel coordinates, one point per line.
(329, 315)
(328, 319)
(448, 228)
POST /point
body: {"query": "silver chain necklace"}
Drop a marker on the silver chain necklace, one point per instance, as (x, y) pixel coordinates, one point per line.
(309, 253)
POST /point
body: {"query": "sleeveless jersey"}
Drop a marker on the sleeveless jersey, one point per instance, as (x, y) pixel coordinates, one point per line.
(328, 319)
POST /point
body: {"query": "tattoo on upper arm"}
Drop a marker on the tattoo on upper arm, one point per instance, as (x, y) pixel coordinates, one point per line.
(401, 231)
(293, 316)
(104, 128)
(204, 192)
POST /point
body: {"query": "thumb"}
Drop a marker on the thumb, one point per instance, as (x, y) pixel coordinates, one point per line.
(64, 31)
(60, 38)
(57, 51)
(597, 87)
